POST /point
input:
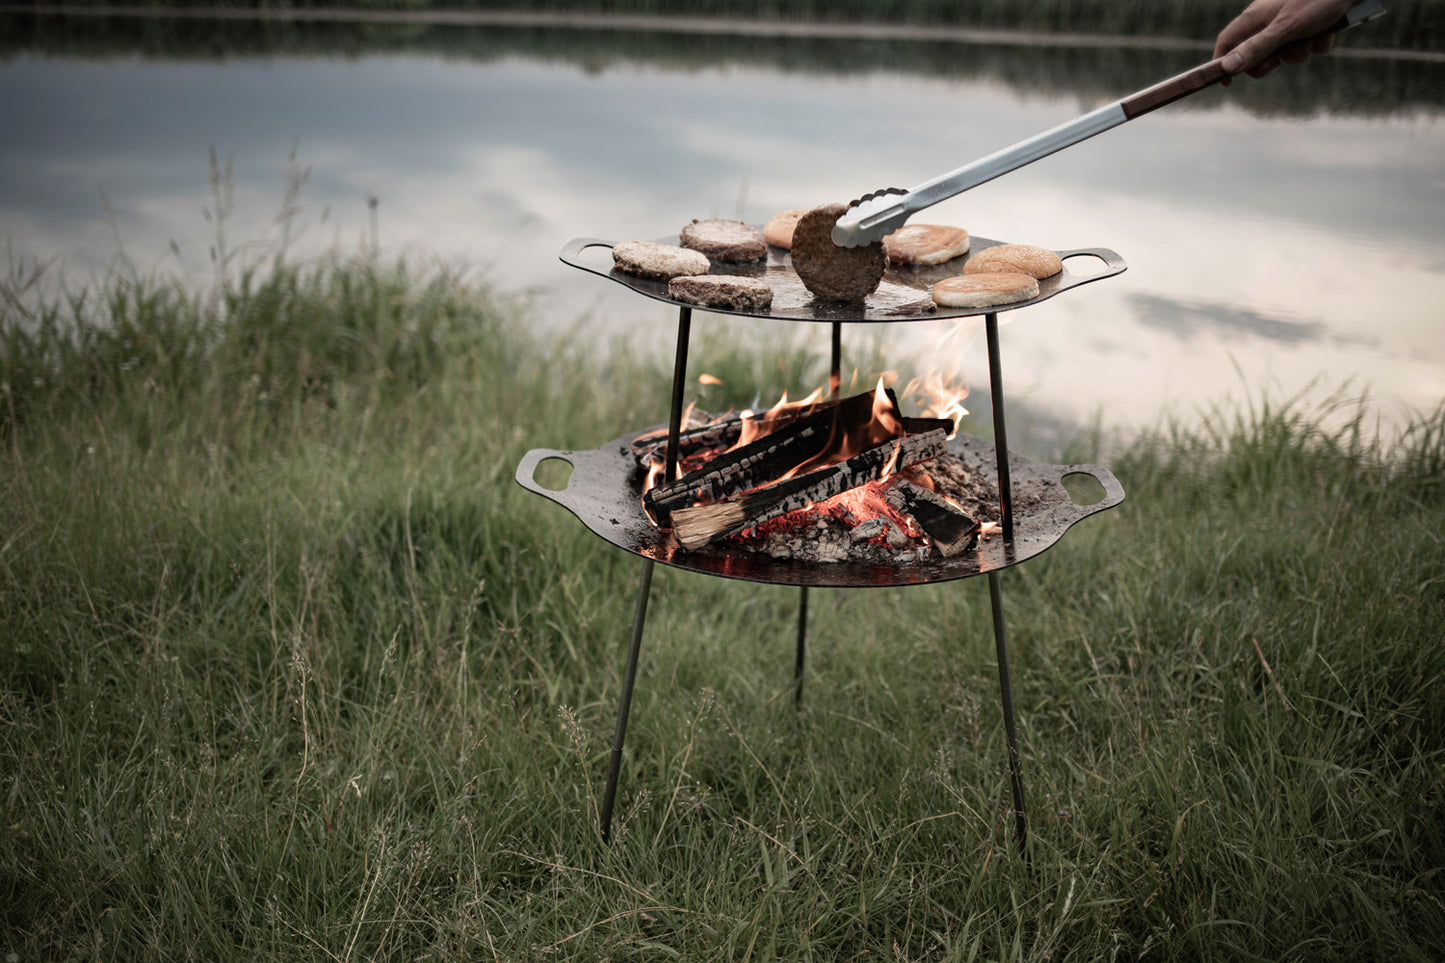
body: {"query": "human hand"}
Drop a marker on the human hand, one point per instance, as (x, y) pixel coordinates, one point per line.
(1271, 32)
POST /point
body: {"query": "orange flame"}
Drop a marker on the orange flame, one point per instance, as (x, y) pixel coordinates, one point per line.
(755, 425)
(940, 396)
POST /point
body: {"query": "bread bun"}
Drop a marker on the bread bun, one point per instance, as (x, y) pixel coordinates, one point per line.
(722, 291)
(830, 272)
(779, 230)
(732, 242)
(663, 261)
(1030, 259)
(984, 290)
(926, 244)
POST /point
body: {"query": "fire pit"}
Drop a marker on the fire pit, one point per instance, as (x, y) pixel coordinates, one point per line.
(713, 513)
(606, 487)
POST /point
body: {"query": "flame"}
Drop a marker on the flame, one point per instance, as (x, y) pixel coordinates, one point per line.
(940, 396)
(885, 425)
(892, 464)
(655, 472)
(882, 426)
(755, 426)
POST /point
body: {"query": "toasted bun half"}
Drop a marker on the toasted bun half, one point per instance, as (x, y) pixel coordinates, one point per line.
(651, 260)
(985, 290)
(730, 241)
(926, 244)
(722, 291)
(779, 230)
(1030, 259)
(830, 272)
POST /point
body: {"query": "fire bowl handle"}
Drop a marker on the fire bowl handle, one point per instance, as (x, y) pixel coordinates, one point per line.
(527, 471)
(1113, 491)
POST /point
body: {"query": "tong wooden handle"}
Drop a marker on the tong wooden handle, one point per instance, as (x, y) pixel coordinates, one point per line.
(1168, 91)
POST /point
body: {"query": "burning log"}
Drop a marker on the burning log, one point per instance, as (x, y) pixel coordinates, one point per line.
(700, 525)
(709, 434)
(949, 529)
(721, 432)
(770, 457)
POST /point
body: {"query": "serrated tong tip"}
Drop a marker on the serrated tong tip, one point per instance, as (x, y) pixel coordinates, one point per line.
(870, 217)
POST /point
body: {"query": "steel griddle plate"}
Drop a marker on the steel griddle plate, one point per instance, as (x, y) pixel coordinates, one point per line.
(605, 493)
(903, 294)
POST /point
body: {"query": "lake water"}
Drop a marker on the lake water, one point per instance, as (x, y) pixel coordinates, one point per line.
(1283, 236)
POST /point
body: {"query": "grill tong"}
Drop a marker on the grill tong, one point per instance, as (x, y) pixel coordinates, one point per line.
(873, 215)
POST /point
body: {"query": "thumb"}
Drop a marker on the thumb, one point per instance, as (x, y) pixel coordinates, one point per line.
(1249, 52)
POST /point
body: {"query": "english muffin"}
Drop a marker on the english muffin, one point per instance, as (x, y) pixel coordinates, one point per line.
(722, 291)
(926, 244)
(1036, 262)
(830, 272)
(662, 261)
(779, 230)
(985, 290)
(732, 242)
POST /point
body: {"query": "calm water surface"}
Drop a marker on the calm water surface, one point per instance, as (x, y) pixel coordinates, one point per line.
(1271, 251)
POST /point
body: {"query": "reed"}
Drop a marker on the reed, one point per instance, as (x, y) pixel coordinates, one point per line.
(293, 670)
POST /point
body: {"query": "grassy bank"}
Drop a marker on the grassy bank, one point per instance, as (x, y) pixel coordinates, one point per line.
(291, 669)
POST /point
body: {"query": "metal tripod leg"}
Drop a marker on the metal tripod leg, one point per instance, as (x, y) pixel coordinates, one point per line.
(835, 386)
(802, 641)
(639, 617)
(624, 707)
(1006, 518)
(1011, 734)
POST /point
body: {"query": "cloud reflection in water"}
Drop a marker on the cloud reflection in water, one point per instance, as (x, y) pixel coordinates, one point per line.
(1312, 244)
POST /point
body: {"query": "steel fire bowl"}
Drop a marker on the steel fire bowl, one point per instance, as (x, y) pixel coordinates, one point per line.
(604, 491)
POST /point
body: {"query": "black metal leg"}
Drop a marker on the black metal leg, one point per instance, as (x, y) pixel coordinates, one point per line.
(624, 707)
(679, 386)
(639, 617)
(1000, 433)
(802, 639)
(835, 387)
(1005, 685)
(1006, 523)
(835, 369)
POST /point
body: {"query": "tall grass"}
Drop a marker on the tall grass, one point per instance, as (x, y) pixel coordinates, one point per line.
(293, 670)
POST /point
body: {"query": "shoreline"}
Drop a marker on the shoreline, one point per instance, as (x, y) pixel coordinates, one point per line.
(644, 23)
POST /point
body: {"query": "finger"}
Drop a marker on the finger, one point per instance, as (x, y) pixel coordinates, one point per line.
(1265, 67)
(1240, 29)
(1295, 53)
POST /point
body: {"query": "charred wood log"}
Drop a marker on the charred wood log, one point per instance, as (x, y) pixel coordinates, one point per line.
(707, 434)
(702, 524)
(769, 457)
(947, 526)
(717, 433)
